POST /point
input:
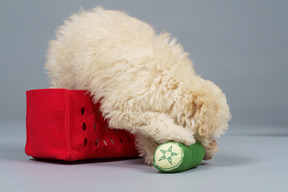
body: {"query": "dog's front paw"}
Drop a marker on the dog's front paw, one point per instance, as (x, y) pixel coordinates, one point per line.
(186, 137)
(186, 141)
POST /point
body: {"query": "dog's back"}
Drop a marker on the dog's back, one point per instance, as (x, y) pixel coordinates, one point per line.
(99, 49)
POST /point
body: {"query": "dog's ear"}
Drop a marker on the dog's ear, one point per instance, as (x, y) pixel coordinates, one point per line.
(205, 115)
(211, 111)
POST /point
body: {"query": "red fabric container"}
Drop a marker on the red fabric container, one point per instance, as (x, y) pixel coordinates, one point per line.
(65, 124)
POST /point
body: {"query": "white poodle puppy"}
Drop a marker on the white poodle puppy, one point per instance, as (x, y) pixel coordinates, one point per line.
(145, 82)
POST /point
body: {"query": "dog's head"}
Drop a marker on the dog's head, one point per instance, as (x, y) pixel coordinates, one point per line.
(211, 115)
(206, 112)
(211, 111)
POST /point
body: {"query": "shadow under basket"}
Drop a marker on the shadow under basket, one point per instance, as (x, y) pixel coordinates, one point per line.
(66, 125)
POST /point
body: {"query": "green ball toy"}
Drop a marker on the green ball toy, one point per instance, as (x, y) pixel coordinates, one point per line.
(174, 157)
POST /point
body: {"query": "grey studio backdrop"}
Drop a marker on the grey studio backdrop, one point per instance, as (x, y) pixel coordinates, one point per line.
(239, 45)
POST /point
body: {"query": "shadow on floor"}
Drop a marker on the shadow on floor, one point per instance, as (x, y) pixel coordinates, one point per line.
(17, 152)
(88, 161)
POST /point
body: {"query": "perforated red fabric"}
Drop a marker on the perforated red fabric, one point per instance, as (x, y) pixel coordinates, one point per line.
(65, 124)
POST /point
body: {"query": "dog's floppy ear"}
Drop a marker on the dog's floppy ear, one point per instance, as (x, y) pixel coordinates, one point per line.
(205, 115)
(211, 111)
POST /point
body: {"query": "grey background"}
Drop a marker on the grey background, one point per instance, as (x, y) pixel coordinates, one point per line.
(240, 45)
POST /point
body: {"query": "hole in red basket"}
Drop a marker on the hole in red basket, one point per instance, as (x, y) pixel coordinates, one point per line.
(98, 113)
(95, 126)
(129, 139)
(112, 141)
(121, 140)
(85, 142)
(96, 142)
(106, 127)
(84, 126)
(82, 110)
(104, 142)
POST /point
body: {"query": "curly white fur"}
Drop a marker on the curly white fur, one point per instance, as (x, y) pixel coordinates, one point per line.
(145, 82)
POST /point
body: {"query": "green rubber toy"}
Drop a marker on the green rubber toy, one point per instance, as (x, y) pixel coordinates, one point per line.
(174, 157)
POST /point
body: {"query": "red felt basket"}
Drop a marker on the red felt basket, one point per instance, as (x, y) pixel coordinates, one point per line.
(65, 124)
